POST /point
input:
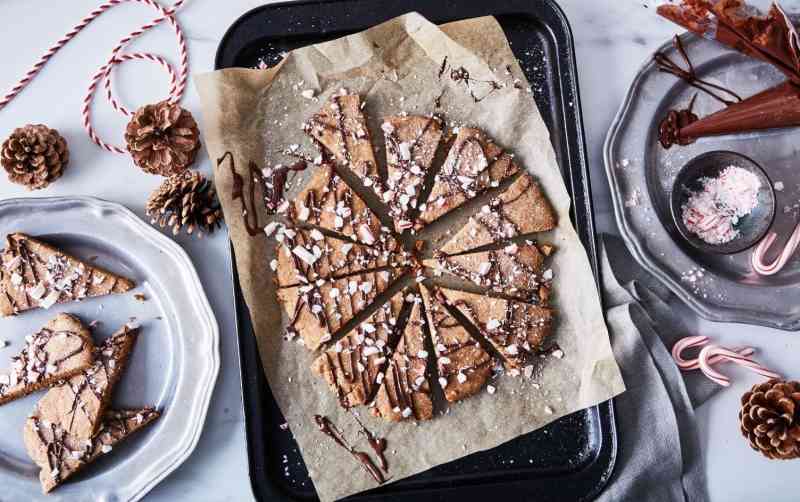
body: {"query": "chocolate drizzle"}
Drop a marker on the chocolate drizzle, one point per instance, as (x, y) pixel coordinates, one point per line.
(461, 75)
(35, 363)
(665, 64)
(353, 365)
(329, 429)
(345, 140)
(66, 454)
(334, 206)
(249, 211)
(377, 444)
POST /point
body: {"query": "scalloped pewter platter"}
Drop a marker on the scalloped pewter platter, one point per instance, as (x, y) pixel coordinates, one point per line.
(174, 365)
(641, 174)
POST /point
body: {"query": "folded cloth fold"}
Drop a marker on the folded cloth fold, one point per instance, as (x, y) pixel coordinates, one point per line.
(659, 457)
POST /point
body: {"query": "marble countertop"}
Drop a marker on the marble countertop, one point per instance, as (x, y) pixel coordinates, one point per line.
(613, 38)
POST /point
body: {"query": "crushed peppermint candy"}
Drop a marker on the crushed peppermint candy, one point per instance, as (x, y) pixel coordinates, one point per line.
(713, 212)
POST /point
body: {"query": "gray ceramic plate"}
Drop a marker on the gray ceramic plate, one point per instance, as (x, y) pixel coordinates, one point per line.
(174, 364)
(641, 174)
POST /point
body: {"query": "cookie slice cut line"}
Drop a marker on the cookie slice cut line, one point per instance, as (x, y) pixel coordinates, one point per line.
(330, 203)
(354, 366)
(318, 312)
(474, 165)
(463, 366)
(520, 210)
(307, 255)
(517, 330)
(405, 391)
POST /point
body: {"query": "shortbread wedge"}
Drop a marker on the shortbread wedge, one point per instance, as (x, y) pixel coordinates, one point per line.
(60, 455)
(516, 329)
(78, 405)
(463, 365)
(522, 209)
(35, 274)
(474, 164)
(405, 393)
(317, 311)
(411, 144)
(354, 366)
(340, 128)
(60, 350)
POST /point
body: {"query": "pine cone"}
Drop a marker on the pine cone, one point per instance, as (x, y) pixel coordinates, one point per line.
(163, 138)
(34, 156)
(188, 200)
(769, 418)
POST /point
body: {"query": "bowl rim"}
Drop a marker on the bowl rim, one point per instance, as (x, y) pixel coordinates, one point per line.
(677, 218)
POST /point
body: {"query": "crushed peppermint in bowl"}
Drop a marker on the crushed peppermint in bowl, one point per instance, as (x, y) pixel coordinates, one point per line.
(722, 202)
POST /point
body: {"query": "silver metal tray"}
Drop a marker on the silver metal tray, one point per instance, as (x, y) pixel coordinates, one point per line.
(174, 365)
(641, 174)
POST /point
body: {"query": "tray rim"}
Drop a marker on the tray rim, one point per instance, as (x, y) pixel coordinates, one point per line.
(634, 243)
(605, 410)
(169, 247)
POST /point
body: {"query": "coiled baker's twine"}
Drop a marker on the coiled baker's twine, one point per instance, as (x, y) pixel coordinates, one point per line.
(177, 81)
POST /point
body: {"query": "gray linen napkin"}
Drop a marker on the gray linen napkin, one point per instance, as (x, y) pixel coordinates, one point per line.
(659, 455)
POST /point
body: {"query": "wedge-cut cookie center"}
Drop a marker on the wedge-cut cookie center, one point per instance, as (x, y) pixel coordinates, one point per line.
(405, 391)
(340, 128)
(354, 366)
(411, 144)
(316, 311)
(522, 209)
(78, 405)
(516, 329)
(463, 365)
(60, 455)
(328, 202)
(58, 351)
(35, 274)
(516, 270)
(473, 165)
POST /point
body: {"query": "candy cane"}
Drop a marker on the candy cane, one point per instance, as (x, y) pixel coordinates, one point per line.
(760, 252)
(714, 354)
(712, 350)
(178, 81)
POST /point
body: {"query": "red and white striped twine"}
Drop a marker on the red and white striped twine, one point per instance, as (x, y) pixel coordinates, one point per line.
(177, 81)
(714, 354)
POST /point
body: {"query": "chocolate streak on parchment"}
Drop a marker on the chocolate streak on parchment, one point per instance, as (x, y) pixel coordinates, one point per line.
(329, 429)
(249, 213)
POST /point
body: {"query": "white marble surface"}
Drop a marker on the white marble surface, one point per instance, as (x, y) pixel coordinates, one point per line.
(613, 38)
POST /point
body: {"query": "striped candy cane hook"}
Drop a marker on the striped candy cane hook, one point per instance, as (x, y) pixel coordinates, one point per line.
(714, 354)
(178, 81)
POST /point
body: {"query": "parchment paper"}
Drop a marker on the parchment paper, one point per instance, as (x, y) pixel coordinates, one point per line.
(255, 114)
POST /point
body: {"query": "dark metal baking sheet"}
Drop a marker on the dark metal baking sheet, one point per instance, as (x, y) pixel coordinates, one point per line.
(572, 458)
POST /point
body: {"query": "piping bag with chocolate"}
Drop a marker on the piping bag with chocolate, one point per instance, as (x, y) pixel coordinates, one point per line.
(771, 38)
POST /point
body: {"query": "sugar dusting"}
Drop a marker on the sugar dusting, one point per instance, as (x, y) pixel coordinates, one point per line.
(713, 212)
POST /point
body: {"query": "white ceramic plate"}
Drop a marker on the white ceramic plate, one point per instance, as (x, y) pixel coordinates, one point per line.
(174, 365)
